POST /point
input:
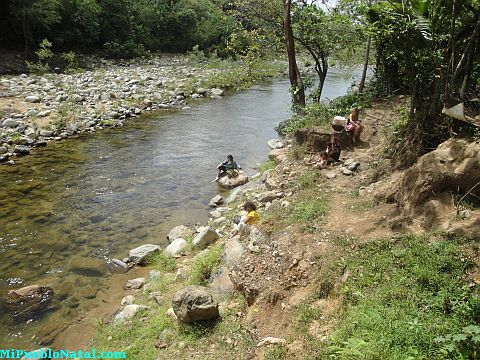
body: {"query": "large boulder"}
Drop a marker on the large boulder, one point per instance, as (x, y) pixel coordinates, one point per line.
(205, 237)
(175, 247)
(233, 251)
(194, 303)
(232, 182)
(27, 302)
(180, 231)
(141, 255)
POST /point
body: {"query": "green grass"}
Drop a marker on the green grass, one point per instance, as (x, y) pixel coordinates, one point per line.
(205, 265)
(267, 165)
(222, 339)
(309, 178)
(276, 352)
(403, 294)
(309, 210)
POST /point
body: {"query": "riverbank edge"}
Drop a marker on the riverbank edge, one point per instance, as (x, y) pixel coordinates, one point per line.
(239, 327)
(76, 113)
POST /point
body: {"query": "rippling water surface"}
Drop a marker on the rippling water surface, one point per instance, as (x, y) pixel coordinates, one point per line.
(69, 206)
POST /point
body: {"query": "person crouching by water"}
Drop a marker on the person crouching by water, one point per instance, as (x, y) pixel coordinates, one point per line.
(244, 223)
(228, 167)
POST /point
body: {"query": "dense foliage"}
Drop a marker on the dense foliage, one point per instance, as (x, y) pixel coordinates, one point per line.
(121, 27)
(431, 51)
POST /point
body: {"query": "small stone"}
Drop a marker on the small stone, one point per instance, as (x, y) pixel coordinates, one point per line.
(330, 176)
(33, 99)
(346, 172)
(127, 300)
(10, 123)
(21, 149)
(46, 133)
(134, 284)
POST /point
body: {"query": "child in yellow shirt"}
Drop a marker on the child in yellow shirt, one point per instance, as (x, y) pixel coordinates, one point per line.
(252, 217)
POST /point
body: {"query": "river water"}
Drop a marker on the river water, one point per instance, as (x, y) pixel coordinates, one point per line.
(68, 207)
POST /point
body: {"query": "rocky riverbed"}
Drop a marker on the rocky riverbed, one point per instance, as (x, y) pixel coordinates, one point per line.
(37, 109)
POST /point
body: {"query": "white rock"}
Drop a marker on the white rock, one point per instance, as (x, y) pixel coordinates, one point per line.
(175, 247)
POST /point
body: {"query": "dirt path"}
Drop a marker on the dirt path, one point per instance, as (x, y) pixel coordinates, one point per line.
(286, 275)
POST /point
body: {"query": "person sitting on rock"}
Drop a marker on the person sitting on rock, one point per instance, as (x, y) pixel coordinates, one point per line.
(228, 167)
(246, 221)
(333, 151)
(354, 126)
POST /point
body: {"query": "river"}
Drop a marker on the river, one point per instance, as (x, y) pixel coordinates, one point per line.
(99, 195)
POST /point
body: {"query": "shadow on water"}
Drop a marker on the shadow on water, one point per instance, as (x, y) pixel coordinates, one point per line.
(68, 207)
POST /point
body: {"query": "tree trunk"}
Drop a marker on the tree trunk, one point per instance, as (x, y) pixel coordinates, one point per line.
(295, 77)
(365, 66)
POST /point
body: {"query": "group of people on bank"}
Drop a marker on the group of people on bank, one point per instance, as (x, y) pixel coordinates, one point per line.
(353, 127)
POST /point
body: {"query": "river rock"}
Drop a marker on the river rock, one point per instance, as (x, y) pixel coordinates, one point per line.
(233, 251)
(127, 300)
(180, 231)
(175, 247)
(27, 302)
(33, 99)
(330, 175)
(275, 144)
(205, 237)
(3, 150)
(202, 91)
(44, 113)
(21, 149)
(140, 255)
(10, 123)
(232, 182)
(217, 91)
(128, 312)
(117, 266)
(216, 200)
(4, 157)
(267, 196)
(233, 195)
(194, 303)
(134, 284)
(30, 132)
(277, 155)
(46, 133)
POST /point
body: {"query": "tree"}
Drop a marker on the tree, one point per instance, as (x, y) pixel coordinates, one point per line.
(431, 51)
(296, 82)
(36, 17)
(322, 34)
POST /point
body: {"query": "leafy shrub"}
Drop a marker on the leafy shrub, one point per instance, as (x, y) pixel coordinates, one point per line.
(44, 55)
